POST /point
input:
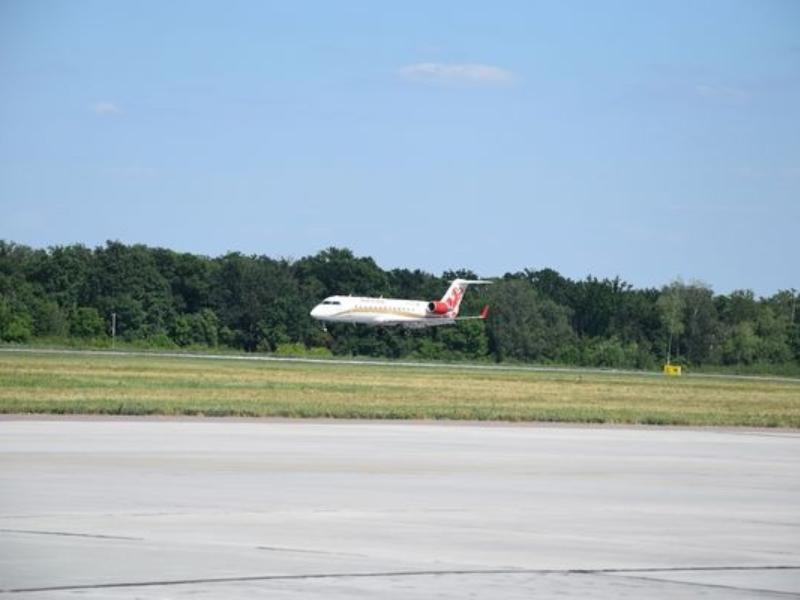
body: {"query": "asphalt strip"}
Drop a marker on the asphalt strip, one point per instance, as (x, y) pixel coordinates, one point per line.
(426, 573)
(393, 363)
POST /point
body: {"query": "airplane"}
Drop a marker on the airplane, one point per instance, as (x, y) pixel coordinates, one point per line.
(412, 314)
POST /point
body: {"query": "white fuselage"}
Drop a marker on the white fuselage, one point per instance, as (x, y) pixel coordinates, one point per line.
(379, 311)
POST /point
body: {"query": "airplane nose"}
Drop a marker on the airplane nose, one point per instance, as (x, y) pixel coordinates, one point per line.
(315, 312)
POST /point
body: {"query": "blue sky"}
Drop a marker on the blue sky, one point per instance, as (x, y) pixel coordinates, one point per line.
(645, 140)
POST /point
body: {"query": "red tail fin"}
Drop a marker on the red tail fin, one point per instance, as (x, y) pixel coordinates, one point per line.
(454, 294)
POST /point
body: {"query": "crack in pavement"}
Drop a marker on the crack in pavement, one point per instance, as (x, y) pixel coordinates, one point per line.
(421, 573)
(702, 584)
(71, 534)
(305, 551)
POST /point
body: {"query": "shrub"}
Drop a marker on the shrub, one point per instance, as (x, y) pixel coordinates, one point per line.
(297, 349)
(86, 322)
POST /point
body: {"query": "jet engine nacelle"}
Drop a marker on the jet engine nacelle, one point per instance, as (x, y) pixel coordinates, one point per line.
(438, 307)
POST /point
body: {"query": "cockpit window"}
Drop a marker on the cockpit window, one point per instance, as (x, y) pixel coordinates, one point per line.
(331, 302)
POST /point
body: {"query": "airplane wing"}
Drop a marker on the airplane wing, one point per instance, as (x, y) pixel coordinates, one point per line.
(419, 323)
(388, 320)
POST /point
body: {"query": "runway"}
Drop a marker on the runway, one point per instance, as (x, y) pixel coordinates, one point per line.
(371, 362)
(201, 508)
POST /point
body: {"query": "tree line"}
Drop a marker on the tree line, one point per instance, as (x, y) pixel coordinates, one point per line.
(162, 298)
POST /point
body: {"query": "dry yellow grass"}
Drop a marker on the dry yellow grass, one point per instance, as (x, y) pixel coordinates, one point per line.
(121, 384)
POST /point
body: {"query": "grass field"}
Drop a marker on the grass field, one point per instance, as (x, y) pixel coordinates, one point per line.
(135, 385)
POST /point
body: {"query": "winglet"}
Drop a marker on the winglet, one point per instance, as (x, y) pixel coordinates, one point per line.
(485, 311)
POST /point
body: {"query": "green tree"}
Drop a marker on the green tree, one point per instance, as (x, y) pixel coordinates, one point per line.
(189, 278)
(741, 344)
(126, 280)
(16, 324)
(672, 304)
(340, 272)
(772, 328)
(86, 322)
(553, 285)
(596, 304)
(201, 328)
(467, 339)
(62, 274)
(738, 307)
(48, 318)
(258, 299)
(523, 325)
(417, 284)
(701, 331)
